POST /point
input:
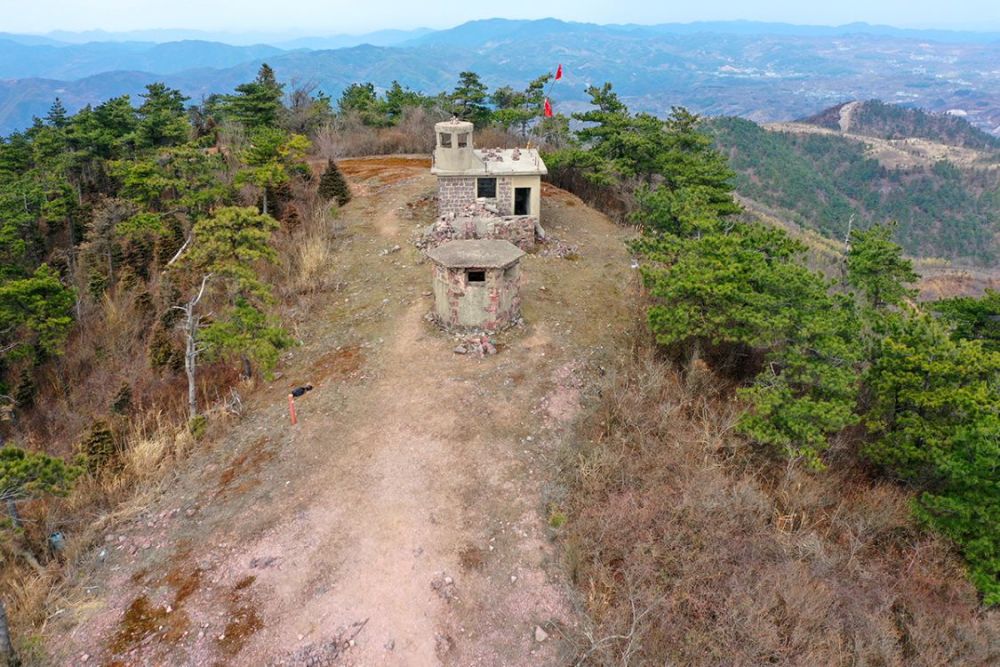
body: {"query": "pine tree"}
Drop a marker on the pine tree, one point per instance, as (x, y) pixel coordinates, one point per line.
(257, 103)
(469, 99)
(333, 185)
(57, 116)
(223, 266)
(876, 266)
(25, 475)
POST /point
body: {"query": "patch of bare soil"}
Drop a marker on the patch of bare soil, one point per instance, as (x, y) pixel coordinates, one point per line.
(404, 520)
(898, 153)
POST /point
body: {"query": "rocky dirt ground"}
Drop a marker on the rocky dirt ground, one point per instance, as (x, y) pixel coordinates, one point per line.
(408, 518)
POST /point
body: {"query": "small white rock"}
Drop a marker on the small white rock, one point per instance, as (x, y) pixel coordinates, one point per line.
(540, 635)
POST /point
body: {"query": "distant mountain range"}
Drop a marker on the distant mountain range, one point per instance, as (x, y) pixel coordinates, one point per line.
(761, 71)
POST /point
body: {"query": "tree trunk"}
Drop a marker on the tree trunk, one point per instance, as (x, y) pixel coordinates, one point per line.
(192, 322)
(247, 367)
(15, 518)
(265, 200)
(6, 645)
(191, 358)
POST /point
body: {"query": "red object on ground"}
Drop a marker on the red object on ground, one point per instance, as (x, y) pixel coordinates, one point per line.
(559, 72)
(291, 410)
(548, 108)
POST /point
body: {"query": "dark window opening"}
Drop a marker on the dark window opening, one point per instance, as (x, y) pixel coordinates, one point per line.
(463, 139)
(475, 277)
(522, 201)
(445, 140)
(486, 188)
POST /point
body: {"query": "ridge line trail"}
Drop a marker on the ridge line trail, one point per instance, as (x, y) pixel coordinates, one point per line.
(414, 491)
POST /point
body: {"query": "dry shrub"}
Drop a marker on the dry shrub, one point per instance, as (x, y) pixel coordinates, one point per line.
(689, 548)
(305, 252)
(348, 136)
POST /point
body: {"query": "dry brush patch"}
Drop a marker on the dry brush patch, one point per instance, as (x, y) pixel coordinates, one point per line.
(688, 548)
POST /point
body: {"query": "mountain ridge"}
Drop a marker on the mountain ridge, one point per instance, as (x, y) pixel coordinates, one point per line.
(765, 78)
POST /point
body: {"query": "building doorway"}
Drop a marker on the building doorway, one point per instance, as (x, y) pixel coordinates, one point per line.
(522, 201)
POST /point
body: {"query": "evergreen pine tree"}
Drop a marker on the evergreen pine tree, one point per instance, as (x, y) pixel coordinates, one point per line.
(333, 185)
(57, 116)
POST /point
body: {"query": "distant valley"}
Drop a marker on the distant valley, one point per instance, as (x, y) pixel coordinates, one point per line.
(763, 72)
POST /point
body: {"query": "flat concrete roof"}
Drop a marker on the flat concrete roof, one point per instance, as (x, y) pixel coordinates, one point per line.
(501, 162)
(476, 254)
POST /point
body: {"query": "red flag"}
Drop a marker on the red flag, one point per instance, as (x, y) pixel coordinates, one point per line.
(559, 72)
(548, 108)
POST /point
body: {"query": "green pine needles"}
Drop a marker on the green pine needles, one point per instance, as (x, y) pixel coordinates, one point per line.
(333, 186)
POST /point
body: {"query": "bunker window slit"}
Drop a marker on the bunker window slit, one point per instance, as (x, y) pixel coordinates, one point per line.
(475, 277)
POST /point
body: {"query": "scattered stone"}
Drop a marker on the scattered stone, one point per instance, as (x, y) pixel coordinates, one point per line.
(85, 657)
(513, 578)
(443, 644)
(559, 249)
(389, 251)
(444, 586)
(263, 563)
(540, 635)
(390, 645)
(460, 349)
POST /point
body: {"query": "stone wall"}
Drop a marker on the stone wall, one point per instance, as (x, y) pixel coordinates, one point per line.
(505, 196)
(455, 193)
(458, 192)
(518, 229)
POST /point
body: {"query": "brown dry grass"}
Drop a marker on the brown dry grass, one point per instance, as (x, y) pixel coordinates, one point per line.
(688, 548)
(348, 136)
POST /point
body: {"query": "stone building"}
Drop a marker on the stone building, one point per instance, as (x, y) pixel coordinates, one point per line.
(477, 284)
(487, 183)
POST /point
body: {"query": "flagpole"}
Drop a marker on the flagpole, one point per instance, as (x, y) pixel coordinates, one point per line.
(547, 108)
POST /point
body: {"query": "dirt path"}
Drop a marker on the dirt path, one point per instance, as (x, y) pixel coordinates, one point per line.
(404, 521)
(847, 115)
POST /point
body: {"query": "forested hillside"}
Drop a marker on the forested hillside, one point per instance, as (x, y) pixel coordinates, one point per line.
(716, 493)
(821, 180)
(875, 118)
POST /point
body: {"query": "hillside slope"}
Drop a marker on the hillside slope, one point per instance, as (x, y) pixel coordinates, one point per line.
(946, 199)
(875, 118)
(406, 511)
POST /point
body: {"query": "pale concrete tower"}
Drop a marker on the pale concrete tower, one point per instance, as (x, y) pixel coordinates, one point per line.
(454, 152)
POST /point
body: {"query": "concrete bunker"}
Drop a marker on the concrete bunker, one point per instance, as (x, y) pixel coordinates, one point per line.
(477, 284)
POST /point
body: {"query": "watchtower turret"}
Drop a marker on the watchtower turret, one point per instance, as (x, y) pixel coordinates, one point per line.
(454, 150)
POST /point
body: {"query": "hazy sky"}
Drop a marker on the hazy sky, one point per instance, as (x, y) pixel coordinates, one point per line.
(354, 16)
